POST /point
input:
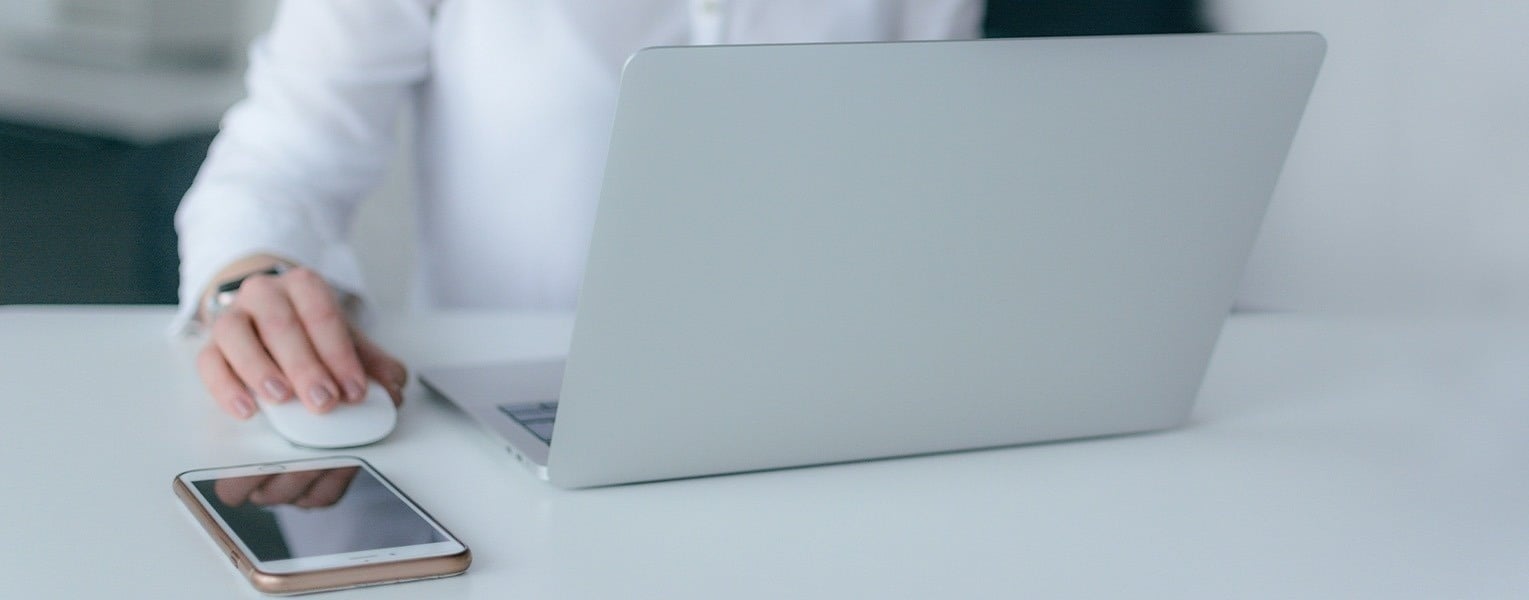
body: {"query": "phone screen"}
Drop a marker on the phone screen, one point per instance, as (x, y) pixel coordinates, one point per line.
(315, 512)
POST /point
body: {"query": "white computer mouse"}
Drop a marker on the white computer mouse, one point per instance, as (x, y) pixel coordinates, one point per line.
(346, 426)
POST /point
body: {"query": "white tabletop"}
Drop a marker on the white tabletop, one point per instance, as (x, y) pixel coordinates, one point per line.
(1328, 458)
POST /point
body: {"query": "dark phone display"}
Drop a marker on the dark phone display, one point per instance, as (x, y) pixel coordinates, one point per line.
(298, 514)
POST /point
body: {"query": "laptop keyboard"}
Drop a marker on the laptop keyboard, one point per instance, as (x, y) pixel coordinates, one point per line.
(536, 417)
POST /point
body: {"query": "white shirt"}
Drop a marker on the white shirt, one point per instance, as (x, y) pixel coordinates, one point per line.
(513, 103)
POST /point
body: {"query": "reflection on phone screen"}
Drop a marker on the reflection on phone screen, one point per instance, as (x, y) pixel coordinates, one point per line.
(298, 514)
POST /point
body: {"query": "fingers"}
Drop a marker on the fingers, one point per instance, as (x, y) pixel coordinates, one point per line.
(234, 336)
(222, 383)
(307, 489)
(327, 328)
(236, 490)
(278, 325)
(328, 489)
(285, 488)
(287, 336)
(381, 366)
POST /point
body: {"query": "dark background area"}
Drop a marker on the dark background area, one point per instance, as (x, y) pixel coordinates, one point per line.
(88, 220)
(1045, 18)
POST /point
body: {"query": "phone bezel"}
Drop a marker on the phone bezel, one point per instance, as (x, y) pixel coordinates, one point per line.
(291, 566)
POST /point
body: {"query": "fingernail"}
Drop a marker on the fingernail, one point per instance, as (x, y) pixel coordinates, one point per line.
(321, 396)
(277, 391)
(244, 406)
(355, 390)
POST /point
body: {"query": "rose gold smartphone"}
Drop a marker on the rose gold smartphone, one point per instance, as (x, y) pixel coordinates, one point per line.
(320, 524)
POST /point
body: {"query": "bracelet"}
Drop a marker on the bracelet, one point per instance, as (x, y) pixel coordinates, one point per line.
(223, 296)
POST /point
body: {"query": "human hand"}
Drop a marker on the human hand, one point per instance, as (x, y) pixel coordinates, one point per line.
(307, 489)
(286, 336)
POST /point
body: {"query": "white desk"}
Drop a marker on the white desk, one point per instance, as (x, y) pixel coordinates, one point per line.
(1328, 458)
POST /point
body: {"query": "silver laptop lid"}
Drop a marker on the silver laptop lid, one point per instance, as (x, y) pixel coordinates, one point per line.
(818, 253)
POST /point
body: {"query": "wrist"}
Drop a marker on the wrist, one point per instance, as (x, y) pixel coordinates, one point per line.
(220, 293)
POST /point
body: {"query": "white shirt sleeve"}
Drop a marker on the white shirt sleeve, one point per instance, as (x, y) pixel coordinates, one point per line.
(948, 20)
(312, 138)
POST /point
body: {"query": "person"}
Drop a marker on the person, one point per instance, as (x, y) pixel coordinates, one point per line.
(512, 104)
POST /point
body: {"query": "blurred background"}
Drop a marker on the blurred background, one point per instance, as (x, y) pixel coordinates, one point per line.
(1407, 187)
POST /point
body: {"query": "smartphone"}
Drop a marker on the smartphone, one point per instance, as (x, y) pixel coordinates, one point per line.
(319, 524)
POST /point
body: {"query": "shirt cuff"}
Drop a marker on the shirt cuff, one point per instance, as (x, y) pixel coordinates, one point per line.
(245, 228)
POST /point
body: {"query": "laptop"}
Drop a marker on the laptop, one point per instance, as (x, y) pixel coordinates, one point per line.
(822, 253)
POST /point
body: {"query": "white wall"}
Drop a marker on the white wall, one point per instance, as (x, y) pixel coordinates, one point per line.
(1408, 186)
